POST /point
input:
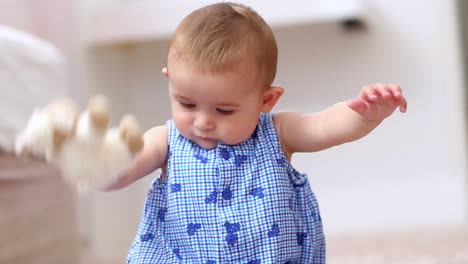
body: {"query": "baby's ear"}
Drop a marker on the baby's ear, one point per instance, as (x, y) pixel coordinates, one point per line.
(271, 97)
(164, 72)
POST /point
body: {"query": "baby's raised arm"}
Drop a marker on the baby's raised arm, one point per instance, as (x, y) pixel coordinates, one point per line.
(152, 157)
(341, 123)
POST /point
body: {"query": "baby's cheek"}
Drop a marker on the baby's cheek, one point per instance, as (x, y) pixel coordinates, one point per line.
(183, 127)
(235, 134)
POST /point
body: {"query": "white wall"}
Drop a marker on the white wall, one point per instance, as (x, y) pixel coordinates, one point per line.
(409, 172)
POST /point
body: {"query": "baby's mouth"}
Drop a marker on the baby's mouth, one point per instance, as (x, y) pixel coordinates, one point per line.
(208, 138)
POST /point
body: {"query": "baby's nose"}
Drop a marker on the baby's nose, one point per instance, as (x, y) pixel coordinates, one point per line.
(204, 122)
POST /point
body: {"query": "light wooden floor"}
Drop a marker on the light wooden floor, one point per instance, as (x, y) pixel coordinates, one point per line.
(448, 245)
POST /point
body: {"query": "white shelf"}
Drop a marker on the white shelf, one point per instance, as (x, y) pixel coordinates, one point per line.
(140, 20)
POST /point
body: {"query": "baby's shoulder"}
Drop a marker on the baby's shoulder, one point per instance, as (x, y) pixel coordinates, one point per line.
(156, 139)
(281, 120)
(157, 132)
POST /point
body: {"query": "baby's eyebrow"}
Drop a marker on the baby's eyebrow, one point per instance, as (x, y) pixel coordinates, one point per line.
(233, 105)
(180, 97)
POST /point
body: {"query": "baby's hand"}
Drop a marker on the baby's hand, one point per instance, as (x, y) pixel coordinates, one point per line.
(377, 102)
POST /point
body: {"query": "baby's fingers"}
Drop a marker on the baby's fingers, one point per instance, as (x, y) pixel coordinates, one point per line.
(400, 100)
(370, 93)
(402, 103)
(379, 94)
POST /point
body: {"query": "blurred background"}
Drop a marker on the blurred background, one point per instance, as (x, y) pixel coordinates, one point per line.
(408, 176)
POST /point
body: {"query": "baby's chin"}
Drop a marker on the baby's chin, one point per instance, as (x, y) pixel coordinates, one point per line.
(213, 143)
(206, 144)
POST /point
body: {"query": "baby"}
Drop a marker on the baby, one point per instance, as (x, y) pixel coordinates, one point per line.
(227, 192)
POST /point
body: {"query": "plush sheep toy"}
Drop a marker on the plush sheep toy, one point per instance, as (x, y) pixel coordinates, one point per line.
(81, 144)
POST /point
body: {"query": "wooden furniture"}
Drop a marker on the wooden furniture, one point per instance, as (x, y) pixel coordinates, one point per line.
(38, 223)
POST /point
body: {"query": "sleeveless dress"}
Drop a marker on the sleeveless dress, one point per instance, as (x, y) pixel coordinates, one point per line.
(241, 203)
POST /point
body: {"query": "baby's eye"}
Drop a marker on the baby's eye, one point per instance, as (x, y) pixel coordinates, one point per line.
(188, 106)
(224, 112)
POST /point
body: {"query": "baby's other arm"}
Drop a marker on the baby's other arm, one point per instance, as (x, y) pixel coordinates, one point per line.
(152, 157)
(341, 123)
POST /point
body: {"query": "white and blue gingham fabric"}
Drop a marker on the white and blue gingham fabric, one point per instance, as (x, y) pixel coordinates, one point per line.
(240, 203)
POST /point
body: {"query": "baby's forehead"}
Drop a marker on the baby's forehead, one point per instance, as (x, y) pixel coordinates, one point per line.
(227, 84)
(245, 67)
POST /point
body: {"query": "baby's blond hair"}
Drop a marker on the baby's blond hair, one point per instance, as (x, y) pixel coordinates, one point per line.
(221, 36)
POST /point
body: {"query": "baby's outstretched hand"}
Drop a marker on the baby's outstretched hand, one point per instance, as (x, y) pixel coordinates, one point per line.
(377, 102)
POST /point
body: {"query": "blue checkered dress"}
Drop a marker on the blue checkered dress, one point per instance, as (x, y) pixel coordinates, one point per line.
(240, 203)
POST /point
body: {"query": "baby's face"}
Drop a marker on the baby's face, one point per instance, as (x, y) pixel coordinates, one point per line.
(208, 108)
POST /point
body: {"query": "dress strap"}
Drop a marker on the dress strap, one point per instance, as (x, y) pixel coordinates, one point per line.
(173, 132)
(267, 127)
